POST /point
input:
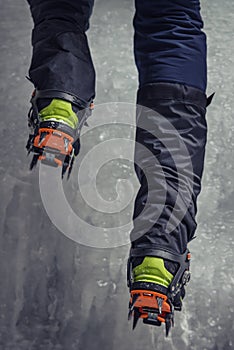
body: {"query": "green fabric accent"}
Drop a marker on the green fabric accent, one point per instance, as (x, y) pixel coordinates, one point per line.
(60, 111)
(152, 270)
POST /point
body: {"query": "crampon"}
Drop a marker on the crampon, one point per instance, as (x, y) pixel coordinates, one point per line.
(51, 142)
(155, 305)
(154, 308)
(53, 147)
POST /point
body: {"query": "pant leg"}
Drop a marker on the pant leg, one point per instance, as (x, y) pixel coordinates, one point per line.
(169, 44)
(61, 57)
(170, 53)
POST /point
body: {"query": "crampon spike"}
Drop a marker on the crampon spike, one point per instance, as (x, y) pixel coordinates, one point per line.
(130, 314)
(70, 168)
(136, 316)
(134, 300)
(131, 306)
(64, 169)
(65, 165)
(168, 323)
(160, 302)
(34, 161)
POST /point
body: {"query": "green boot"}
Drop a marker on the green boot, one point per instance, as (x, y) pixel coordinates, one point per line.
(59, 111)
(152, 270)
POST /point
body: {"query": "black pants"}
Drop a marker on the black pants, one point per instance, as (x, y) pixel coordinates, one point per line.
(170, 54)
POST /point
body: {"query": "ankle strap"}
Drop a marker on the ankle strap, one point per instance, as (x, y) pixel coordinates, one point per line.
(62, 95)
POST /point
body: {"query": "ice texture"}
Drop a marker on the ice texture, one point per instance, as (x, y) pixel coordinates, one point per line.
(58, 295)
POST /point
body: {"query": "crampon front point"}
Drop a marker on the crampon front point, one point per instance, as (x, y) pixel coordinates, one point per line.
(154, 308)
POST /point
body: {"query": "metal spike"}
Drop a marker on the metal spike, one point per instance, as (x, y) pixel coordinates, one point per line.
(131, 305)
(34, 161)
(42, 138)
(136, 317)
(70, 168)
(64, 168)
(168, 326)
(130, 314)
(160, 303)
(65, 165)
(134, 300)
(30, 143)
(66, 143)
(169, 322)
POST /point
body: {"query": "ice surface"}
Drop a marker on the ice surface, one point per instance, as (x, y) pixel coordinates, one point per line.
(58, 295)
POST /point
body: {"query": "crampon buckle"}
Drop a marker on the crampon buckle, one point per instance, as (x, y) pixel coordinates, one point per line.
(154, 308)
